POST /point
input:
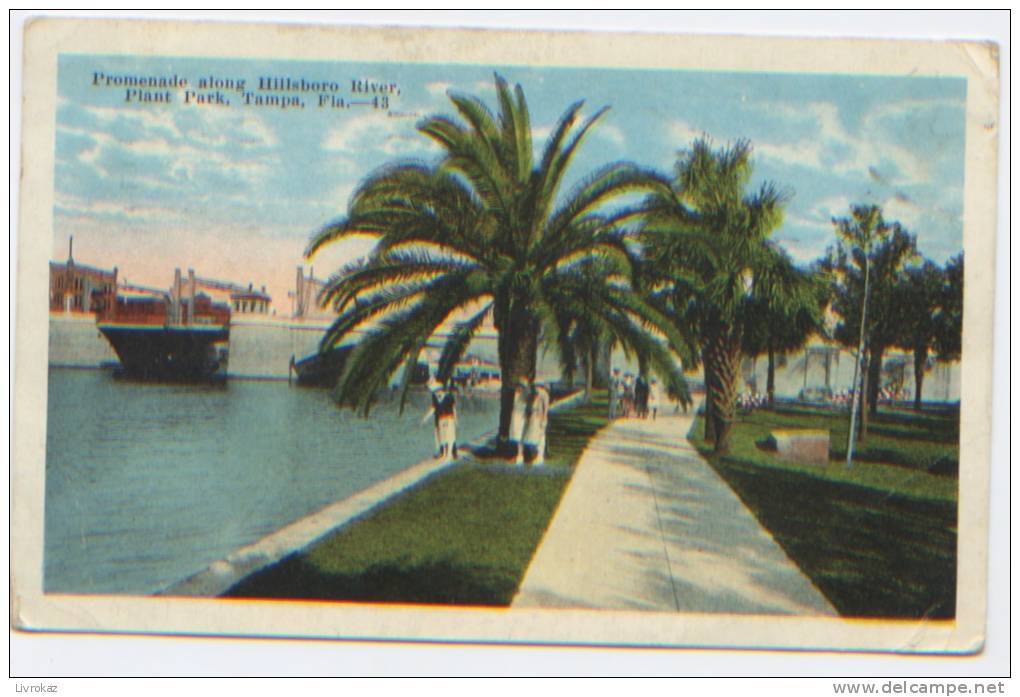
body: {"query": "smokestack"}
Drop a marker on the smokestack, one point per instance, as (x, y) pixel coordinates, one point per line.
(111, 305)
(175, 305)
(299, 296)
(70, 248)
(191, 296)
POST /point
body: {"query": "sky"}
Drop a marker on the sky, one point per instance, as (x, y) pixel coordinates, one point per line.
(236, 191)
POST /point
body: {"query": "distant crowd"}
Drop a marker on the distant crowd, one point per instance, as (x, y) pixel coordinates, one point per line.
(633, 396)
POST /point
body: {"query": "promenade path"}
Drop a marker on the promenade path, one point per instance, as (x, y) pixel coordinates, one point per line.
(647, 524)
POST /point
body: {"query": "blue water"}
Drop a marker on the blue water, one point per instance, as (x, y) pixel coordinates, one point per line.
(147, 484)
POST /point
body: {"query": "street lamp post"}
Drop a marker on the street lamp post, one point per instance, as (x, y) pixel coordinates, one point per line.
(856, 396)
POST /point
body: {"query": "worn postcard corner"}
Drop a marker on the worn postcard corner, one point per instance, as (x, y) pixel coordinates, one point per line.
(649, 342)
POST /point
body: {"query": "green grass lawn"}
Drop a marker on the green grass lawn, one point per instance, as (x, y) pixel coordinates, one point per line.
(878, 539)
(463, 536)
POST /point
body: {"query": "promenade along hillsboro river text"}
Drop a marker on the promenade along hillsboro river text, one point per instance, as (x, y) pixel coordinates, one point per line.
(267, 91)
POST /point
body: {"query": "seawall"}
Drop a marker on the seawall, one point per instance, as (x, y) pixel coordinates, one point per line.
(261, 348)
(221, 575)
(74, 342)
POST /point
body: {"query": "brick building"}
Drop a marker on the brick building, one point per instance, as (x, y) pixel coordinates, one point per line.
(79, 288)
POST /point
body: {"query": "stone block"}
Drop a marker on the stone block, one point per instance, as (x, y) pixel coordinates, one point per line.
(804, 446)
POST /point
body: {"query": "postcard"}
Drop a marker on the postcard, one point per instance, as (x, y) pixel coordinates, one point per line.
(504, 337)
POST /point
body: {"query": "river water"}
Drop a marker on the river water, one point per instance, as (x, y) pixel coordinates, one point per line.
(147, 484)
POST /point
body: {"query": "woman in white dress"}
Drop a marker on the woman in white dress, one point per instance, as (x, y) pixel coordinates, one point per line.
(538, 421)
(518, 420)
(654, 397)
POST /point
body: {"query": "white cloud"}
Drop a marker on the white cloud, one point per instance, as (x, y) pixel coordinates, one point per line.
(611, 133)
(222, 127)
(402, 146)
(829, 145)
(831, 207)
(255, 133)
(682, 134)
(375, 132)
(802, 153)
(866, 152)
(438, 88)
(910, 107)
(150, 119)
(75, 206)
(201, 145)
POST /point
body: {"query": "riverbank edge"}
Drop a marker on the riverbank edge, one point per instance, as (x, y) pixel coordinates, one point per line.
(223, 574)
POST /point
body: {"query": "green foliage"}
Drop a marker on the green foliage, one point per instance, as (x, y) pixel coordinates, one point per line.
(486, 230)
(879, 539)
(949, 316)
(865, 237)
(919, 293)
(786, 306)
(710, 261)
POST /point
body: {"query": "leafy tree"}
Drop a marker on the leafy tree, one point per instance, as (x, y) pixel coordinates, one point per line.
(486, 231)
(949, 318)
(784, 311)
(866, 243)
(707, 242)
(920, 295)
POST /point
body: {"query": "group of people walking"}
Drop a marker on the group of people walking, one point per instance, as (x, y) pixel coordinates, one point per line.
(529, 420)
(631, 396)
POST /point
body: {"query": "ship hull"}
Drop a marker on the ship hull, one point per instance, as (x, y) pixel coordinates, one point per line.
(321, 369)
(169, 353)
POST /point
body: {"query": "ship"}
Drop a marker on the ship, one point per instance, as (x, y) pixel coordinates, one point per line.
(320, 369)
(171, 336)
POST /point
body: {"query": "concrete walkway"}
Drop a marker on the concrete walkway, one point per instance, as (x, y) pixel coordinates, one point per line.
(647, 524)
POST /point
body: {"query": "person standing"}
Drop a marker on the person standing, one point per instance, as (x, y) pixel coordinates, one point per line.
(538, 422)
(435, 395)
(628, 396)
(641, 397)
(615, 386)
(444, 413)
(654, 396)
(518, 420)
(446, 423)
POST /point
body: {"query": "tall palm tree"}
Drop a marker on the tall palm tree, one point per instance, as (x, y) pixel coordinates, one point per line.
(870, 253)
(708, 240)
(486, 231)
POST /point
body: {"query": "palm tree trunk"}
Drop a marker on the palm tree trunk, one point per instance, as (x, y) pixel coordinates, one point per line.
(920, 363)
(724, 359)
(706, 363)
(770, 385)
(518, 360)
(602, 368)
(589, 373)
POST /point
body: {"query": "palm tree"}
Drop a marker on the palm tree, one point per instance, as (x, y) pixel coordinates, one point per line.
(585, 334)
(708, 240)
(785, 309)
(869, 253)
(486, 231)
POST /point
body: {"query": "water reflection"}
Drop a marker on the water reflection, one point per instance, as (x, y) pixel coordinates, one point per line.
(147, 484)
